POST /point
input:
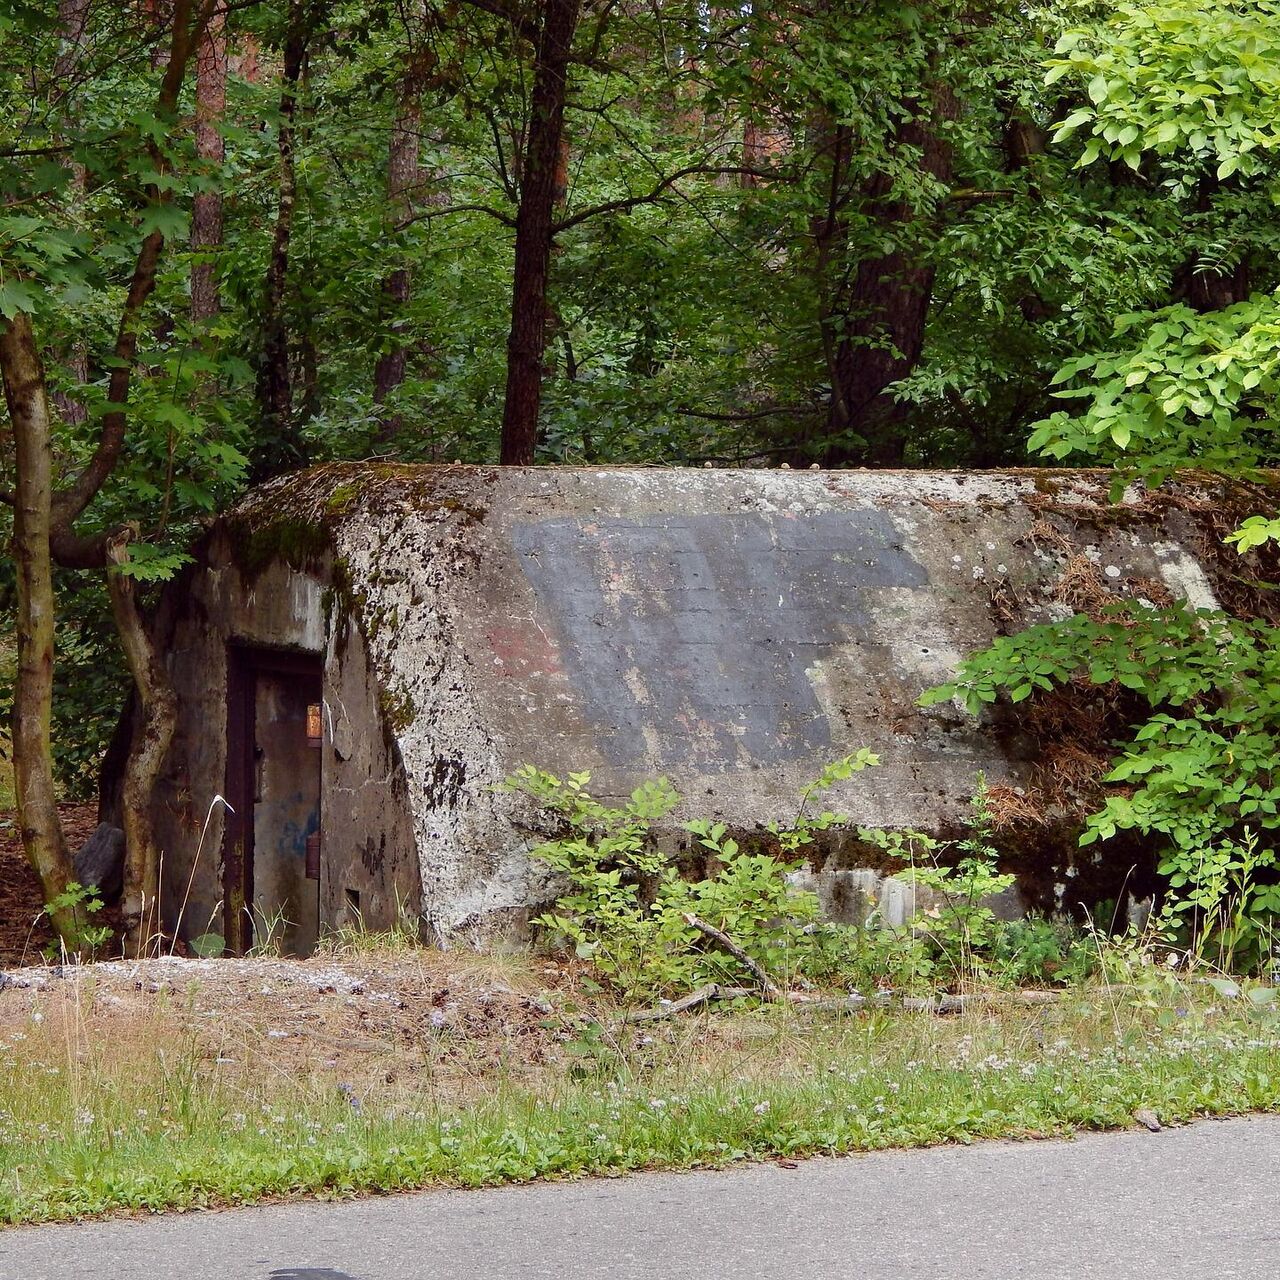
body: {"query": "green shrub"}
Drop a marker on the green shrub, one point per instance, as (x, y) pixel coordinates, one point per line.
(627, 906)
(628, 910)
(1198, 776)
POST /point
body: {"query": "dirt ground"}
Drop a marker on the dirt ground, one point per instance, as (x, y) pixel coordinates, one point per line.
(23, 930)
(411, 1017)
(367, 1019)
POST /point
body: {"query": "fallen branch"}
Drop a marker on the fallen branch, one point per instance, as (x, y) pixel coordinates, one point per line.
(769, 988)
(852, 1003)
(703, 995)
(940, 1004)
(673, 1008)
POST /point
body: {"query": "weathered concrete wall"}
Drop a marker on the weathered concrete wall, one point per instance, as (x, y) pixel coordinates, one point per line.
(238, 597)
(734, 630)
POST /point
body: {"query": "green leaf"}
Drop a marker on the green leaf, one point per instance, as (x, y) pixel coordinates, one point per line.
(18, 296)
(167, 219)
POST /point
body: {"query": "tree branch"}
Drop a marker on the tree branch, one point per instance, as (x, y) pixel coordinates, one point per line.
(974, 193)
(70, 501)
(782, 410)
(768, 988)
(506, 219)
(520, 22)
(651, 197)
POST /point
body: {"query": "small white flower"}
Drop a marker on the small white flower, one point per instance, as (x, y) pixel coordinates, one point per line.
(760, 1108)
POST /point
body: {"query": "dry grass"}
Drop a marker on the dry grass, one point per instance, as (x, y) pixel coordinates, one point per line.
(393, 1022)
(169, 1083)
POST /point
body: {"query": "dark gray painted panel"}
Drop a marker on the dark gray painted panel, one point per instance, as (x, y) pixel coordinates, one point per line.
(699, 629)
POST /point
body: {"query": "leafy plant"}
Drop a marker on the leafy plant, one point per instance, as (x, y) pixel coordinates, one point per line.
(1199, 774)
(1035, 950)
(81, 903)
(628, 909)
(1194, 84)
(1223, 901)
(959, 928)
(208, 946)
(1186, 385)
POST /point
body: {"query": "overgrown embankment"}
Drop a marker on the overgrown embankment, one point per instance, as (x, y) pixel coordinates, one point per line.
(173, 1083)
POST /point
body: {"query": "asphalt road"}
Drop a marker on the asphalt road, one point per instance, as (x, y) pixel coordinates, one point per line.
(1199, 1203)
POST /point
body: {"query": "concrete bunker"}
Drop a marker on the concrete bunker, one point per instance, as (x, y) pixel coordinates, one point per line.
(361, 652)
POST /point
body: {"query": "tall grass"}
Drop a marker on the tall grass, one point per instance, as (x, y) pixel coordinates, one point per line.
(145, 1118)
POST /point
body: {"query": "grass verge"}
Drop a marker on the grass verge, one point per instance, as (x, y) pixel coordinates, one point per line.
(151, 1117)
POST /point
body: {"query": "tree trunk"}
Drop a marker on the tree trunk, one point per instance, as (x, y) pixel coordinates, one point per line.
(882, 334)
(830, 232)
(153, 732)
(281, 449)
(44, 520)
(73, 16)
(41, 828)
(526, 344)
(206, 207)
(404, 176)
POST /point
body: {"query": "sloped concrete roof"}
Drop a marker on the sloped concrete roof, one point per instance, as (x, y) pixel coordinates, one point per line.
(734, 630)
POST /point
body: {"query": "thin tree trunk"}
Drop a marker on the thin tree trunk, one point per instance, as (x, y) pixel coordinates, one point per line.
(404, 176)
(526, 344)
(244, 62)
(73, 15)
(44, 520)
(206, 207)
(41, 828)
(153, 732)
(281, 449)
(830, 233)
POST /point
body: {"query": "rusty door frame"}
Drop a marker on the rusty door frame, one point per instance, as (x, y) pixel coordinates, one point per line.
(245, 663)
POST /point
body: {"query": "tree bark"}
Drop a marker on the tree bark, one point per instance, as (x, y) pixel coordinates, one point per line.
(526, 344)
(206, 207)
(73, 16)
(281, 449)
(882, 334)
(404, 178)
(41, 827)
(153, 732)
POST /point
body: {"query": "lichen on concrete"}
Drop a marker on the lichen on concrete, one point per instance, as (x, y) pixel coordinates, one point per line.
(733, 630)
